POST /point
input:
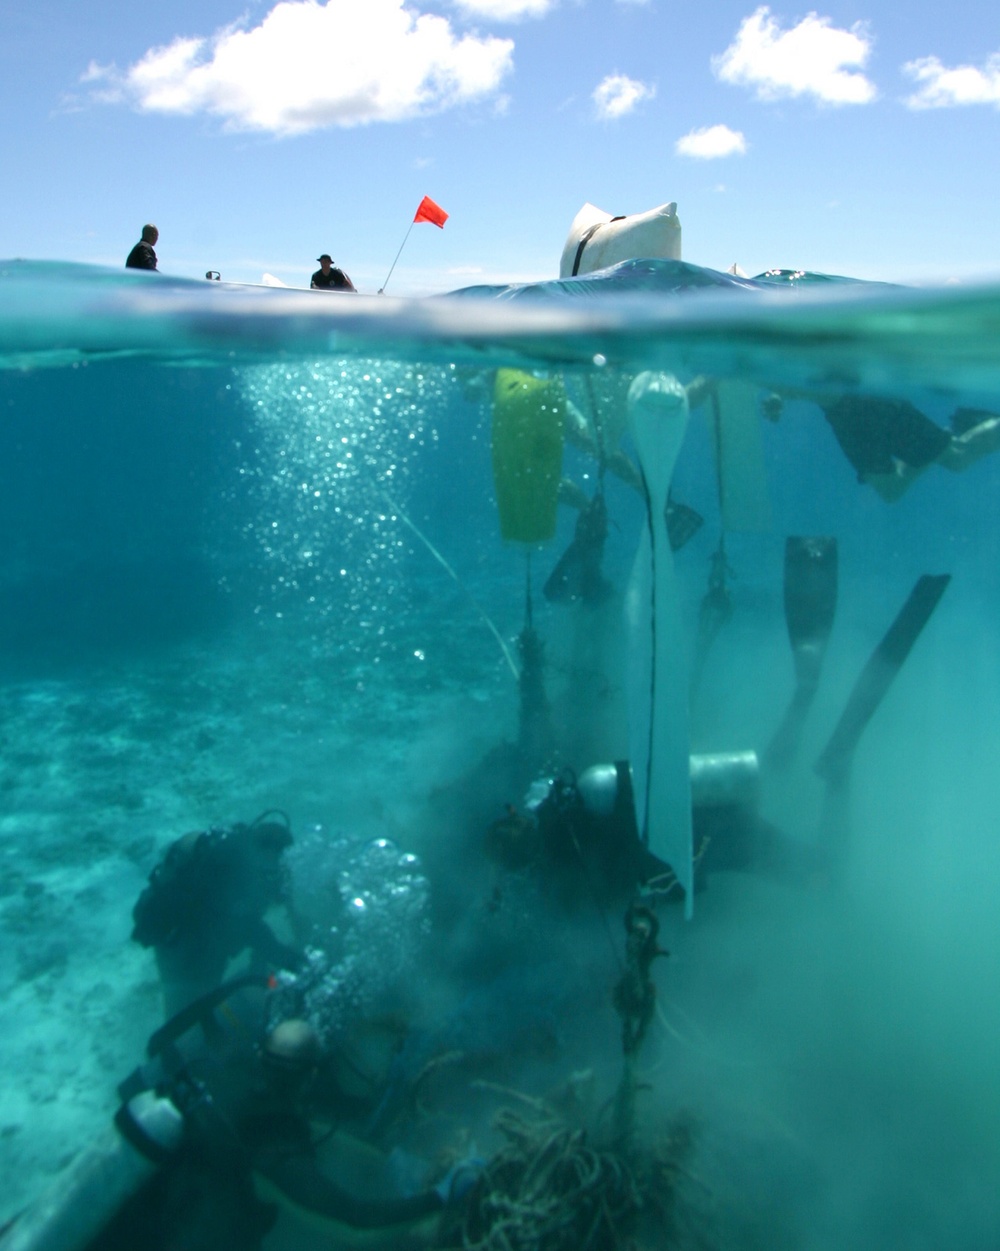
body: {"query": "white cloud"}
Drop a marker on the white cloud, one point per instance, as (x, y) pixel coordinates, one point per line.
(710, 142)
(812, 58)
(942, 88)
(103, 83)
(505, 10)
(618, 94)
(315, 63)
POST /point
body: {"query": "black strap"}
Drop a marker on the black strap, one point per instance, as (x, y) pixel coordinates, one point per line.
(586, 238)
(199, 1011)
(165, 1062)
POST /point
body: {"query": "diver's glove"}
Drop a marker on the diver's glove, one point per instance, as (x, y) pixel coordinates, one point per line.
(459, 1180)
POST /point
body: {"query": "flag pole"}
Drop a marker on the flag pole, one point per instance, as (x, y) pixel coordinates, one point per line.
(427, 211)
(382, 288)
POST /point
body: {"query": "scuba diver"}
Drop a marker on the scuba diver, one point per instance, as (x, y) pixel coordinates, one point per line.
(206, 903)
(219, 1119)
(580, 835)
(890, 443)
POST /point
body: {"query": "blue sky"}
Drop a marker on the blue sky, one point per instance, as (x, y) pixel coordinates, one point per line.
(854, 138)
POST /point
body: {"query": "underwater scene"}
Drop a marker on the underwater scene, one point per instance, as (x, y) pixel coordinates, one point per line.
(512, 770)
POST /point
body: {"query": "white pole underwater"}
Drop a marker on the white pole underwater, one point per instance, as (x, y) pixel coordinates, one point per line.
(658, 681)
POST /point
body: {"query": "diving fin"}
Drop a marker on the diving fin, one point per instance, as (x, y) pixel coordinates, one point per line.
(683, 523)
(577, 574)
(810, 605)
(834, 764)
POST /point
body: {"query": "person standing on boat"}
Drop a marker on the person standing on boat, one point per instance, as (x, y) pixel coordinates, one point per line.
(330, 277)
(142, 255)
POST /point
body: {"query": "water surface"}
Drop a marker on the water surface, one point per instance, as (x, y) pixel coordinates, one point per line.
(252, 559)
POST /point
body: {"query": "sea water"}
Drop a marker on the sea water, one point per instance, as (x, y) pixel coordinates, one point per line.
(252, 559)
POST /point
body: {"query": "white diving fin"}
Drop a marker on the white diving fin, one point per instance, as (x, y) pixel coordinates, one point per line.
(658, 681)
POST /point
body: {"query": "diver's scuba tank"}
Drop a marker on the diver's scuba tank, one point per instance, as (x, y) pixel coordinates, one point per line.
(718, 779)
(159, 1100)
(591, 818)
(725, 779)
(600, 787)
(79, 1203)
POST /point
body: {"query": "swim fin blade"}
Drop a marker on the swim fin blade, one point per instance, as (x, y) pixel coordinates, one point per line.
(577, 575)
(834, 764)
(683, 523)
(810, 606)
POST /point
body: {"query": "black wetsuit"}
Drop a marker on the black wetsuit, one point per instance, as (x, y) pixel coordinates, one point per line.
(142, 256)
(205, 904)
(588, 858)
(875, 433)
(237, 1123)
(335, 280)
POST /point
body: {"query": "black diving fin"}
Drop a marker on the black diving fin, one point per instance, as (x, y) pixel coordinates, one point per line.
(577, 575)
(810, 605)
(834, 764)
(683, 523)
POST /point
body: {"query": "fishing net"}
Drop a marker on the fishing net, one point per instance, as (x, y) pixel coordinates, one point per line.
(549, 1189)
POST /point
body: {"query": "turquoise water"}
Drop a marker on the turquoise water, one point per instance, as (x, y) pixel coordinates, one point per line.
(252, 559)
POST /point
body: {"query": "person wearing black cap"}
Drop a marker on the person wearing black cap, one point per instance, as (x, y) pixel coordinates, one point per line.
(329, 278)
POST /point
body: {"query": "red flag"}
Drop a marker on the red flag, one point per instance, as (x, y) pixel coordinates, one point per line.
(428, 211)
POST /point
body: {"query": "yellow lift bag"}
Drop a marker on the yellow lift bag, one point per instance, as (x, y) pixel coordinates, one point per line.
(528, 415)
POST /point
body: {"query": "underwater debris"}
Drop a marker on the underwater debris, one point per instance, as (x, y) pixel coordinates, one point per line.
(548, 1189)
(559, 1184)
(553, 1187)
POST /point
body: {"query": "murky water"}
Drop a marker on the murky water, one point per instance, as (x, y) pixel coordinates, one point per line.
(253, 559)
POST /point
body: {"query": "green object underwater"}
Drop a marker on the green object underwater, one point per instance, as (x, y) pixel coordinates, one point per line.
(527, 454)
